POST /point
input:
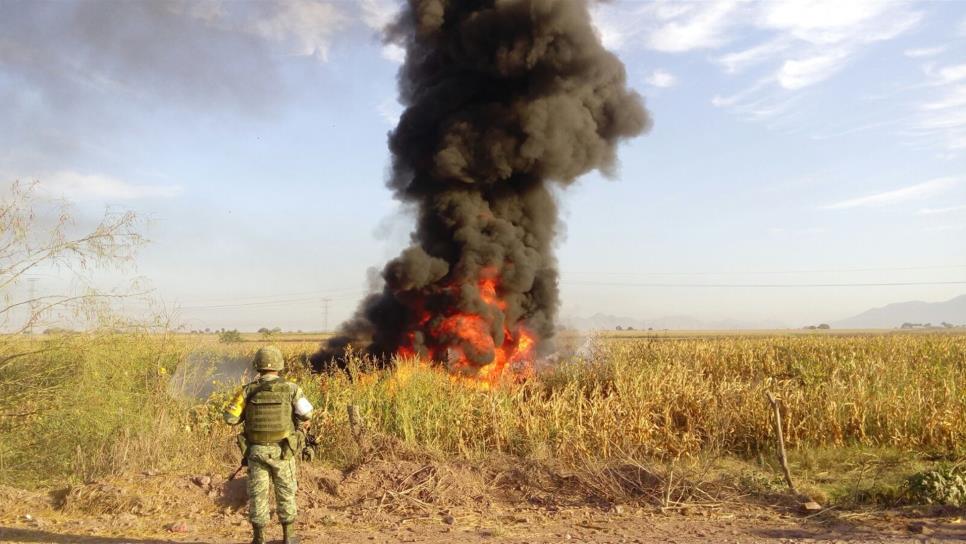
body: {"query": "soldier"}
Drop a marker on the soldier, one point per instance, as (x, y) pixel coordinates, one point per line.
(273, 410)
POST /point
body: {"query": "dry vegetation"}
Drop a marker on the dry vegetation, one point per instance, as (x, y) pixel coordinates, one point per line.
(654, 419)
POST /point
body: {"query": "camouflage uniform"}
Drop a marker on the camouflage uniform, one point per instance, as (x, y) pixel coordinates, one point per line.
(271, 464)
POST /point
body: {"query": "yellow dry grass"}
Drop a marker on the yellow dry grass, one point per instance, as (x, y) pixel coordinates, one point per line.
(107, 407)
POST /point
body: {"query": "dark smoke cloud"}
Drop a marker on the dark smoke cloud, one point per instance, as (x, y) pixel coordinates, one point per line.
(502, 98)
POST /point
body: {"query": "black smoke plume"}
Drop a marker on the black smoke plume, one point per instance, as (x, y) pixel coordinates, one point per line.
(502, 98)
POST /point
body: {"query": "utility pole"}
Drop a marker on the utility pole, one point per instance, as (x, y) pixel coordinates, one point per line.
(33, 304)
(325, 314)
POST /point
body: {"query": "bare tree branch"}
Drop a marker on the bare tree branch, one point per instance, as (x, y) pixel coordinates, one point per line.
(37, 235)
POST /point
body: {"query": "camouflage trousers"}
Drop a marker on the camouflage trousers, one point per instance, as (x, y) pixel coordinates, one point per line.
(267, 469)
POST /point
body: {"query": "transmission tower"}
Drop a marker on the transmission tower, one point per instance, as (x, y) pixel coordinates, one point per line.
(33, 305)
(325, 314)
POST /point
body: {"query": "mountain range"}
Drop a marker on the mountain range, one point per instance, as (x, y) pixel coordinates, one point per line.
(894, 315)
(890, 316)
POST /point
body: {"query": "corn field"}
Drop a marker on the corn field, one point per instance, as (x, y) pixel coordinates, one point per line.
(671, 398)
(109, 404)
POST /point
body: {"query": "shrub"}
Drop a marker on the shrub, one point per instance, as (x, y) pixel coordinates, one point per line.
(229, 337)
(944, 485)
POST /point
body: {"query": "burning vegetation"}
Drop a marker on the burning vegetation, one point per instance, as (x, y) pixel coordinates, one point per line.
(503, 98)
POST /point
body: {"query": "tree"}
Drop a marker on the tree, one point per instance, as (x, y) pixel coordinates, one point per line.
(824, 326)
(229, 337)
(268, 333)
(27, 246)
(620, 328)
(37, 236)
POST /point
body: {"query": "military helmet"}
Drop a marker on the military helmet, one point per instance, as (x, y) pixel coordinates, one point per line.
(268, 358)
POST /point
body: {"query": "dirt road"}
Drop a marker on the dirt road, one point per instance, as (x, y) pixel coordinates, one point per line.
(520, 525)
(400, 502)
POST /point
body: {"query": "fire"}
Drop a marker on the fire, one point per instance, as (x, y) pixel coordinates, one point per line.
(470, 344)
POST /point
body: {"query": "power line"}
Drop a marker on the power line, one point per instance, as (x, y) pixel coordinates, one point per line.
(267, 303)
(776, 272)
(323, 292)
(763, 285)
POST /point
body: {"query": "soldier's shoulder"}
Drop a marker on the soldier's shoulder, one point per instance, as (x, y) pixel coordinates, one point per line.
(250, 385)
(293, 387)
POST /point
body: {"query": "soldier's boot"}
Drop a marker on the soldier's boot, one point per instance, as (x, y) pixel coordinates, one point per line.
(288, 534)
(258, 534)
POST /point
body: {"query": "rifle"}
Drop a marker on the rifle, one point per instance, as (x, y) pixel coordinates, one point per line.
(237, 470)
(243, 446)
(308, 450)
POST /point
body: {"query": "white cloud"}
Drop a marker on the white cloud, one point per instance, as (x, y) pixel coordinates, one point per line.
(394, 53)
(305, 27)
(77, 186)
(939, 211)
(816, 15)
(944, 120)
(801, 43)
(692, 26)
(209, 11)
(390, 110)
(913, 192)
(955, 142)
(610, 25)
(942, 116)
(662, 79)
(740, 60)
(953, 98)
(832, 22)
(947, 74)
(741, 96)
(800, 73)
(924, 52)
(376, 14)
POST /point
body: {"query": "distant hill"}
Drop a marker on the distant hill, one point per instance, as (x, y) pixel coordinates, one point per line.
(894, 315)
(673, 322)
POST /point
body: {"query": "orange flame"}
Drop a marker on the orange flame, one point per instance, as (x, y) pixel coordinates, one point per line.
(475, 340)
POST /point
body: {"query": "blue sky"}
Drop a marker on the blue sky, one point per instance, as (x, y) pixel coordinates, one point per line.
(794, 143)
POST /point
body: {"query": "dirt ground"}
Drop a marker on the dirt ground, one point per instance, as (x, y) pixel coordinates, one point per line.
(413, 502)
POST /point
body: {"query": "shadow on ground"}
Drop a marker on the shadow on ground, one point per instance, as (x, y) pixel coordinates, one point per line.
(933, 531)
(14, 534)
